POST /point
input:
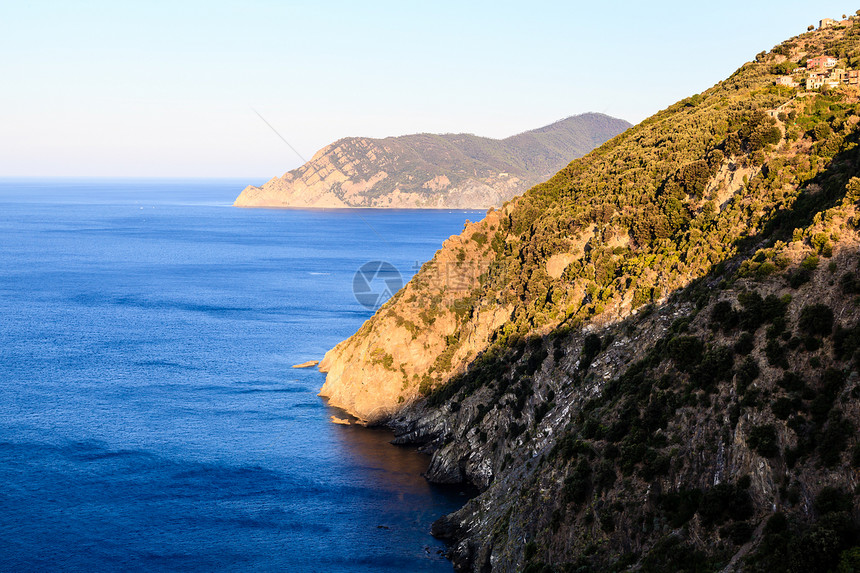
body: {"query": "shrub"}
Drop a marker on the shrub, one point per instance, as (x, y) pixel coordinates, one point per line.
(569, 447)
(763, 440)
(746, 374)
(758, 311)
(810, 263)
(850, 284)
(745, 343)
(535, 360)
(681, 506)
(425, 387)
(723, 502)
(799, 277)
(604, 475)
(723, 316)
(797, 549)
(782, 69)
(632, 452)
(832, 499)
(590, 349)
(849, 561)
(655, 465)
(846, 341)
(671, 554)
(693, 177)
(816, 320)
(783, 407)
(821, 131)
(738, 533)
(686, 352)
(775, 353)
(577, 484)
(834, 440)
(832, 381)
(811, 344)
(792, 382)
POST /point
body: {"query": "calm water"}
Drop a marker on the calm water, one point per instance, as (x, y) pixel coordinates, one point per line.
(149, 417)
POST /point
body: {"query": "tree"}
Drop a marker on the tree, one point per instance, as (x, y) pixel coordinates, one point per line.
(783, 69)
(811, 28)
(821, 131)
(732, 145)
(852, 189)
(693, 178)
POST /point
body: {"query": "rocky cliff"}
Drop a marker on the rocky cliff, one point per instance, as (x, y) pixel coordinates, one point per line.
(429, 171)
(649, 362)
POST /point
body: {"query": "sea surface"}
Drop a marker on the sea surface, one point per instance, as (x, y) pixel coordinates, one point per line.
(149, 415)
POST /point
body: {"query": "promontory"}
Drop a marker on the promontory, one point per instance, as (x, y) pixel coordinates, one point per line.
(428, 171)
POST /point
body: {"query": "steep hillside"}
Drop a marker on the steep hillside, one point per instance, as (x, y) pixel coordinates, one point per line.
(705, 431)
(650, 361)
(433, 171)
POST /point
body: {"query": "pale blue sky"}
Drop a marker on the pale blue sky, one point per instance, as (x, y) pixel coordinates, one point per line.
(169, 88)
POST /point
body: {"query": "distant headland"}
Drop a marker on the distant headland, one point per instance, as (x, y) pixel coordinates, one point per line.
(427, 171)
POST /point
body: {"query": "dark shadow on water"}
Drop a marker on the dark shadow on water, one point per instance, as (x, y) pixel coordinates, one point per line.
(396, 468)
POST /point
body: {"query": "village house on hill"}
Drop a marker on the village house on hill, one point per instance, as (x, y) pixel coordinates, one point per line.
(830, 22)
(822, 71)
(787, 81)
(831, 78)
(820, 63)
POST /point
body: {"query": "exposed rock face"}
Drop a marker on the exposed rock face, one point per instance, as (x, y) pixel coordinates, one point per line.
(426, 171)
(374, 373)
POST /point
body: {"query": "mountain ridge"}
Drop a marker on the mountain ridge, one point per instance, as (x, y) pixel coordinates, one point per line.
(651, 361)
(433, 170)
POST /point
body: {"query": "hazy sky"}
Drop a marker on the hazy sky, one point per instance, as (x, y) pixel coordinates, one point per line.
(170, 88)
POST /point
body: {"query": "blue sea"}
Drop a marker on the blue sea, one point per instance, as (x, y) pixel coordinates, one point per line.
(149, 415)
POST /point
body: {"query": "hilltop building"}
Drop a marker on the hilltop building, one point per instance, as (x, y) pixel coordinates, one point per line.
(821, 71)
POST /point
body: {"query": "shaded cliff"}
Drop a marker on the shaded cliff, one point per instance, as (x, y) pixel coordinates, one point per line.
(651, 361)
(433, 171)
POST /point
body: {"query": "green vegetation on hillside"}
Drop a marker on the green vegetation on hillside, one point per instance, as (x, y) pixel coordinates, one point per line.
(685, 193)
(720, 419)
